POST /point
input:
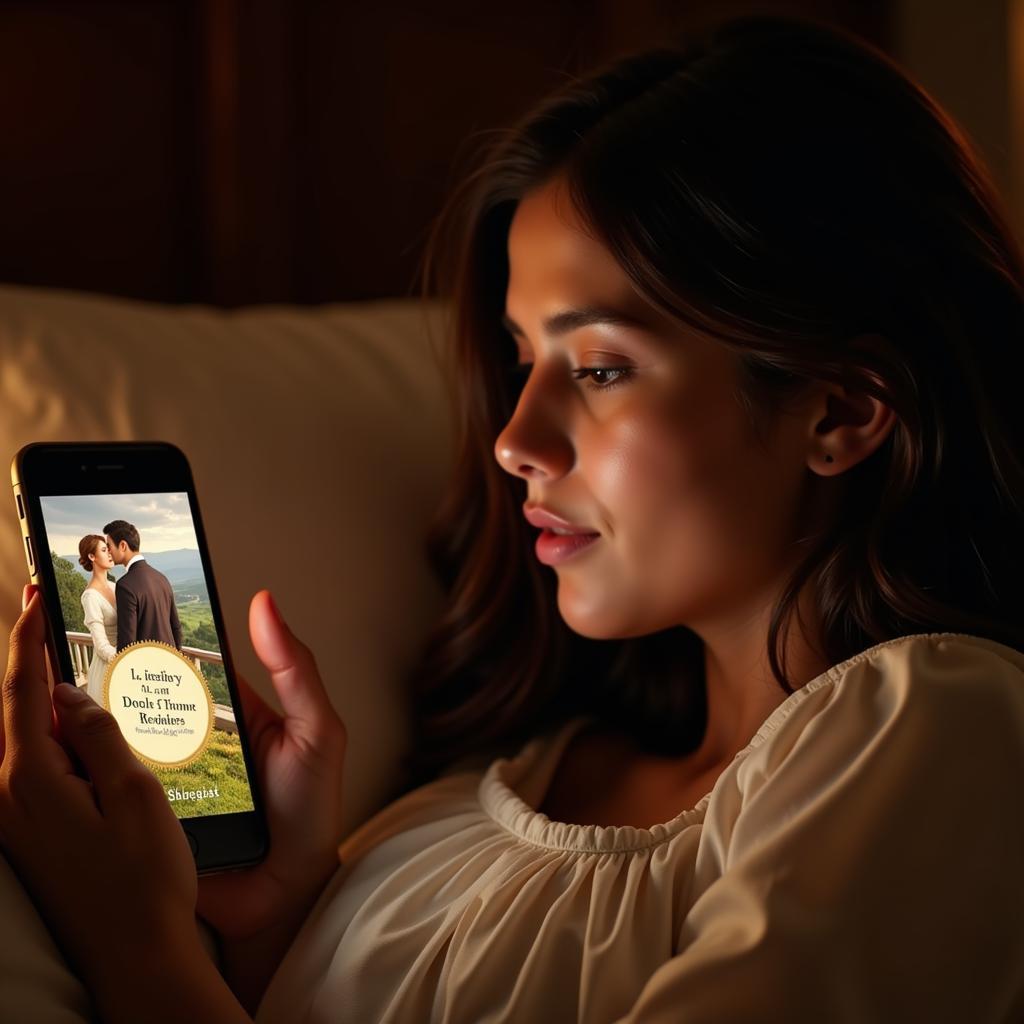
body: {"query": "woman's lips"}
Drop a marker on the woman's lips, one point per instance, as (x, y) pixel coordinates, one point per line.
(553, 548)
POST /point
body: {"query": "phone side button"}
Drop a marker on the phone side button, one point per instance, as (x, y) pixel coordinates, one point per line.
(192, 843)
(31, 559)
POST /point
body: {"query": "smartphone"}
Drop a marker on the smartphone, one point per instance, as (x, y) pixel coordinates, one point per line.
(114, 540)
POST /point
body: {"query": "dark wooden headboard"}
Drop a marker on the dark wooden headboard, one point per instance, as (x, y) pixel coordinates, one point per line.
(241, 151)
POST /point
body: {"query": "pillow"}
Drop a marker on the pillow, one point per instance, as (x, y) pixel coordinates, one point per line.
(319, 439)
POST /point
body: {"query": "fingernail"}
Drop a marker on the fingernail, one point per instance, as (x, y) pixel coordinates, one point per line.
(27, 593)
(275, 611)
(68, 693)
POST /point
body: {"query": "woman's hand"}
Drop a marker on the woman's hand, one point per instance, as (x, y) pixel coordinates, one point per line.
(105, 859)
(299, 760)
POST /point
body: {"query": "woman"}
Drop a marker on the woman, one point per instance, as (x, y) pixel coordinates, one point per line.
(100, 607)
(764, 692)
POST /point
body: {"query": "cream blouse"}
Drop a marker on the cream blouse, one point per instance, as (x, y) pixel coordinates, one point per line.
(860, 860)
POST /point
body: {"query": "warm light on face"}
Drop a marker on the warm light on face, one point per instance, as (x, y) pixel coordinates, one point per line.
(627, 427)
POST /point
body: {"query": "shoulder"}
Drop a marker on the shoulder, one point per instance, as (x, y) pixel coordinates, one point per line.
(871, 825)
(938, 682)
(925, 675)
(89, 594)
(894, 772)
(934, 709)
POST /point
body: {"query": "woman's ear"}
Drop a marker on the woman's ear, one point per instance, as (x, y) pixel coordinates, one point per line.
(849, 425)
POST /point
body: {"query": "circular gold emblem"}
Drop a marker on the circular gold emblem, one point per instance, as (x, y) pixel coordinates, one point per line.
(161, 702)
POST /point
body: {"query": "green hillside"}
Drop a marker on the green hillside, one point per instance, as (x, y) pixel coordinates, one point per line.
(220, 767)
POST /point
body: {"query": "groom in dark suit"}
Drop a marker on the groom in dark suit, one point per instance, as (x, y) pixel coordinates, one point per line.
(145, 600)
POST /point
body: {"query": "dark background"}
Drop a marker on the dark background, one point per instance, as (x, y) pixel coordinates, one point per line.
(236, 152)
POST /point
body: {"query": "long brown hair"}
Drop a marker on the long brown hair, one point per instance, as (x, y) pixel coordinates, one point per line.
(786, 187)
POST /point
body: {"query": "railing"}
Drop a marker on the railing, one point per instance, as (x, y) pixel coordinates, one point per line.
(82, 653)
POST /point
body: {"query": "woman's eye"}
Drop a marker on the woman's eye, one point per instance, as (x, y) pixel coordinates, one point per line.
(599, 378)
(620, 374)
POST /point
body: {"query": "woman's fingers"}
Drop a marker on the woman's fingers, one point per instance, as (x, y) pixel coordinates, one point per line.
(27, 712)
(292, 668)
(94, 735)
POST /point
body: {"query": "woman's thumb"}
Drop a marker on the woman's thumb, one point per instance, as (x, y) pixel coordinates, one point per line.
(289, 661)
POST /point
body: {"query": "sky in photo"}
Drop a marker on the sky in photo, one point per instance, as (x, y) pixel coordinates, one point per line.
(163, 519)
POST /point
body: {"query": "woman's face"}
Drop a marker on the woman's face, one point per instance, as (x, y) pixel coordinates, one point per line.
(101, 557)
(696, 520)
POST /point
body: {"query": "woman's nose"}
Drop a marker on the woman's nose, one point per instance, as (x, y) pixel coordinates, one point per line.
(534, 442)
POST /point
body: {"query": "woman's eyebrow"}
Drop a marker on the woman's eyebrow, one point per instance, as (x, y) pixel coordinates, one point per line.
(573, 319)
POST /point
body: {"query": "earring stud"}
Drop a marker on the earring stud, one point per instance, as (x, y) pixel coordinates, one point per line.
(828, 458)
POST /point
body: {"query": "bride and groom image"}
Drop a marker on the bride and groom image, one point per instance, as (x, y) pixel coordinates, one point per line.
(139, 607)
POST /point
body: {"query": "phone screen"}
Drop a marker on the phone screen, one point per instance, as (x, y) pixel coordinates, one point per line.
(143, 639)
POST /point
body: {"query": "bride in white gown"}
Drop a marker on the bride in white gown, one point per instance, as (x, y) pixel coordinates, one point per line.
(100, 607)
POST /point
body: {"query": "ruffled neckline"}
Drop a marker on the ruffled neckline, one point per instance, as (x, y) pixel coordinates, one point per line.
(539, 758)
(533, 769)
